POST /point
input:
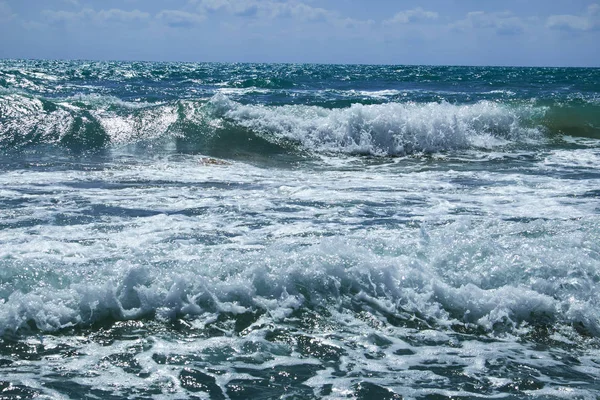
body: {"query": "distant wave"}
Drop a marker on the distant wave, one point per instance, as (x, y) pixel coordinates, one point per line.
(389, 129)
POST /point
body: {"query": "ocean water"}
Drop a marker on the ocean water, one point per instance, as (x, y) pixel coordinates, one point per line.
(237, 231)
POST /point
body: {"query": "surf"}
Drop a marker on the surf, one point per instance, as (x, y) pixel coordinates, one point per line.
(387, 129)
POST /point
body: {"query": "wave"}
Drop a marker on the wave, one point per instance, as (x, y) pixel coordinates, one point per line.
(334, 274)
(210, 125)
(382, 129)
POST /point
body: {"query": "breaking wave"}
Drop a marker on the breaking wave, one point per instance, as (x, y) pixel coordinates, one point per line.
(212, 125)
(333, 274)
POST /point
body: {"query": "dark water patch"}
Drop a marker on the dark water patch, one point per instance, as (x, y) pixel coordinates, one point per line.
(404, 352)
(574, 173)
(229, 322)
(16, 349)
(471, 182)
(275, 382)
(47, 158)
(24, 223)
(580, 120)
(525, 220)
(340, 103)
(62, 219)
(307, 346)
(86, 134)
(313, 347)
(173, 359)
(238, 143)
(262, 83)
(595, 194)
(155, 183)
(197, 381)
(5, 363)
(367, 391)
(454, 374)
(368, 310)
(109, 331)
(76, 390)
(9, 391)
(102, 210)
(566, 374)
(127, 362)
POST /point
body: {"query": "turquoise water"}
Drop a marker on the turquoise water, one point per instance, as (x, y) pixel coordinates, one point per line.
(238, 231)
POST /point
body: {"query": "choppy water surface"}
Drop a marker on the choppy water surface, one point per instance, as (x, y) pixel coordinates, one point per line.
(234, 231)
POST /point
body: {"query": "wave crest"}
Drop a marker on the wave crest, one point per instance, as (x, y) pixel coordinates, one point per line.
(389, 129)
(385, 129)
(333, 274)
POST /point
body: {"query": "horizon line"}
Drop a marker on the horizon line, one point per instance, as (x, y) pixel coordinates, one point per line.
(299, 63)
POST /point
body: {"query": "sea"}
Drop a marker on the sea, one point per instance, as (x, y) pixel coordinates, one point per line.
(291, 231)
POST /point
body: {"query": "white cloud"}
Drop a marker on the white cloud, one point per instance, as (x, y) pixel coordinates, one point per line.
(503, 23)
(180, 19)
(99, 17)
(576, 23)
(240, 7)
(417, 15)
(354, 24)
(121, 15)
(268, 9)
(33, 25)
(6, 13)
(304, 12)
(55, 17)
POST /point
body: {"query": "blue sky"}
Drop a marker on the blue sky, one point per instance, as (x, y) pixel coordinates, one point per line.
(457, 32)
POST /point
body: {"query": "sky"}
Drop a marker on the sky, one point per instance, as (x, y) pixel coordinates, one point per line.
(434, 32)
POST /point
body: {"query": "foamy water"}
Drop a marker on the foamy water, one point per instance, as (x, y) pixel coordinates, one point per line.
(235, 247)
